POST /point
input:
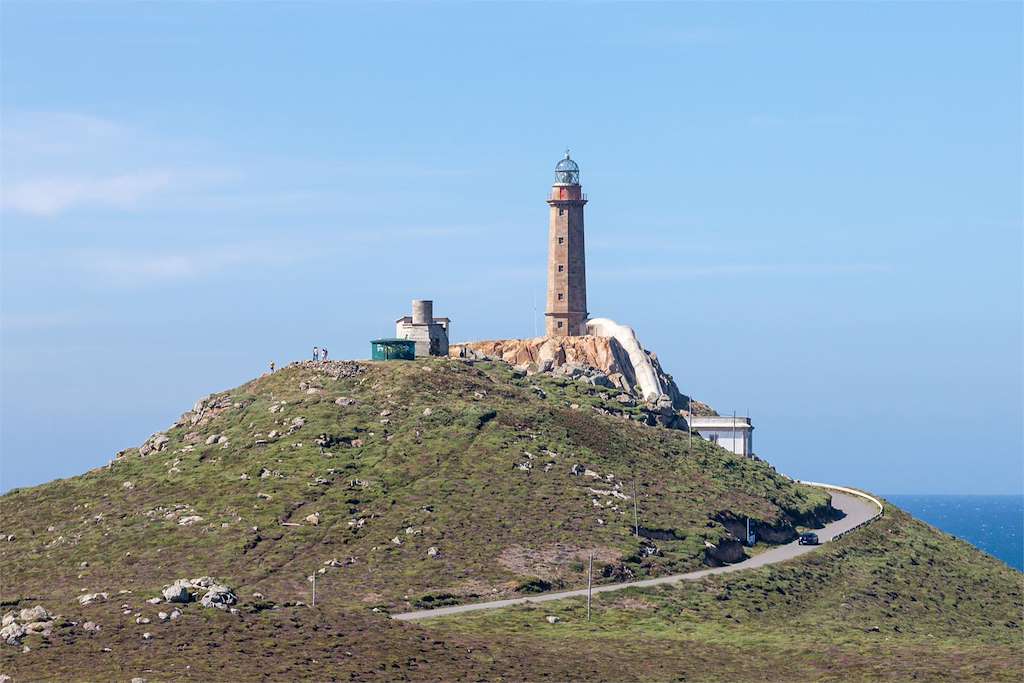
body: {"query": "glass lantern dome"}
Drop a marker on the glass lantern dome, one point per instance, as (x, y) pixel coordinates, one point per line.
(567, 172)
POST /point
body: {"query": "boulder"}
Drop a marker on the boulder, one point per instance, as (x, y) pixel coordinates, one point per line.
(37, 613)
(41, 627)
(179, 591)
(212, 439)
(90, 598)
(12, 633)
(220, 597)
(313, 519)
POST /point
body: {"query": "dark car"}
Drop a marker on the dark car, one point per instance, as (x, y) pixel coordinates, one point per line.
(809, 538)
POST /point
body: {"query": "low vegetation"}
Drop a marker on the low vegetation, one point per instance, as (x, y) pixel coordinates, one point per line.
(438, 482)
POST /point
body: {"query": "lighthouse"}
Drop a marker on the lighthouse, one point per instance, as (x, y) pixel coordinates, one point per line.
(567, 264)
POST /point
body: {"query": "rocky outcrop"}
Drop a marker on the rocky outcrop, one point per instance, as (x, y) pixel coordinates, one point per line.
(602, 360)
(726, 551)
(186, 590)
(18, 624)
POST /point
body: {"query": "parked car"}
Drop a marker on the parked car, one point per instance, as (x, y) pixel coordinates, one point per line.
(809, 538)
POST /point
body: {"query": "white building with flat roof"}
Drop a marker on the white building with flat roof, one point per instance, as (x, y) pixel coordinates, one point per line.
(733, 433)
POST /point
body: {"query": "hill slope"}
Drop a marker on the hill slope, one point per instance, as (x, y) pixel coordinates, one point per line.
(405, 485)
(374, 465)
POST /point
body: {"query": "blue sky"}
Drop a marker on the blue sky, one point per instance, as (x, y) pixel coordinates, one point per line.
(811, 212)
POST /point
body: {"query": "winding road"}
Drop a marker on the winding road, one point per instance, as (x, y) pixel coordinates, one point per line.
(858, 507)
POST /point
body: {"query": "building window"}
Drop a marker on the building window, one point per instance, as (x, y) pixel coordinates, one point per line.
(559, 323)
(561, 296)
(560, 268)
(561, 240)
(561, 211)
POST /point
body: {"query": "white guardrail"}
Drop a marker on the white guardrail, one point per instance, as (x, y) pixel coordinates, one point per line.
(854, 492)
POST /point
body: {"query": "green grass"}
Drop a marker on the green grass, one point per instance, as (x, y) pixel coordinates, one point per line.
(449, 479)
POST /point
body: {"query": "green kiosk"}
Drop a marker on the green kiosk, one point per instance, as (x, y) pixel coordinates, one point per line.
(392, 349)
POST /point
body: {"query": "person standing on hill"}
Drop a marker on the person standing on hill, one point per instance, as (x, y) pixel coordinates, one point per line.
(271, 367)
(324, 353)
(316, 353)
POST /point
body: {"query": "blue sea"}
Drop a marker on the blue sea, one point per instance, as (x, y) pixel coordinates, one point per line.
(993, 523)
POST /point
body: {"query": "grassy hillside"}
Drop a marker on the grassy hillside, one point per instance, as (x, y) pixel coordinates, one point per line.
(897, 600)
(406, 485)
(471, 460)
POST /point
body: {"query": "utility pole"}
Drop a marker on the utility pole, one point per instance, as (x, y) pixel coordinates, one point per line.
(636, 516)
(734, 431)
(590, 583)
(689, 423)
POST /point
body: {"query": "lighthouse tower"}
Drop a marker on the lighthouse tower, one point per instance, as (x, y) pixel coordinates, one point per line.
(567, 264)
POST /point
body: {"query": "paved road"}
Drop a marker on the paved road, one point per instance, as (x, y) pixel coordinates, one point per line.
(858, 510)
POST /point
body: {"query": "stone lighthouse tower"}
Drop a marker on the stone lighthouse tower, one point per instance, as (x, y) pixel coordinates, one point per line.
(567, 264)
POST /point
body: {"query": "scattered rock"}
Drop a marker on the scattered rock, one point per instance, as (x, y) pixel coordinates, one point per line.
(345, 401)
(190, 520)
(154, 601)
(147, 635)
(313, 519)
(212, 439)
(91, 626)
(552, 619)
(142, 620)
(432, 551)
(427, 412)
(162, 616)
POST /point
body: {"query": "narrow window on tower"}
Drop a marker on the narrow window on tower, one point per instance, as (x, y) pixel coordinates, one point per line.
(559, 323)
(560, 268)
(561, 211)
(561, 296)
(561, 240)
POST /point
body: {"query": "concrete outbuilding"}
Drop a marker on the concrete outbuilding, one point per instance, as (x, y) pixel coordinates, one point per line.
(429, 333)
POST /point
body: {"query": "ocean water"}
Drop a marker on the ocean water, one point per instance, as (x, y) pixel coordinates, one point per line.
(993, 523)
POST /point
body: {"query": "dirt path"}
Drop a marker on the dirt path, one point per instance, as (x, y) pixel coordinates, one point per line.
(858, 510)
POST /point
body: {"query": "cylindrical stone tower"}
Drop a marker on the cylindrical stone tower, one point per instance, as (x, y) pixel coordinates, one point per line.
(567, 264)
(422, 311)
